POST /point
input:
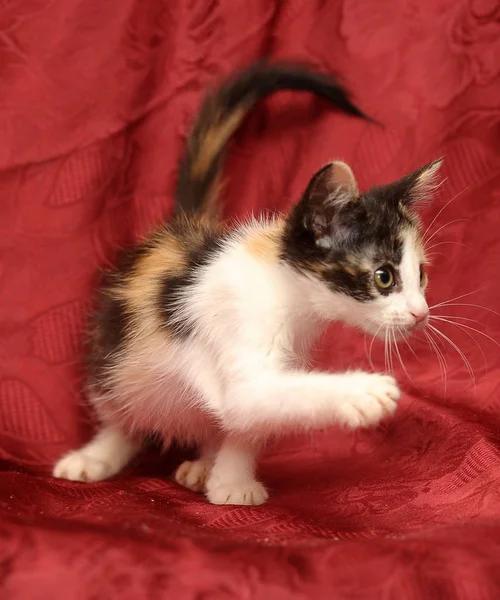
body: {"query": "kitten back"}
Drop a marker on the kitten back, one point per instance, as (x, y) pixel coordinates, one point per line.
(223, 111)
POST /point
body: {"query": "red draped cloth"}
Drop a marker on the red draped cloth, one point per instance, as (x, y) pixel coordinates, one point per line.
(96, 98)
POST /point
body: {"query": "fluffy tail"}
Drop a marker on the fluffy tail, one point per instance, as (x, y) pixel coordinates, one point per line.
(222, 112)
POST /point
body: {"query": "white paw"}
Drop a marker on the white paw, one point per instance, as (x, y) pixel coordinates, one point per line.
(369, 398)
(77, 466)
(249, 493)
(193, 475)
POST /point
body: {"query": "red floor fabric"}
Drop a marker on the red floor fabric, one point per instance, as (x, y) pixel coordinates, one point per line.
(95, 101)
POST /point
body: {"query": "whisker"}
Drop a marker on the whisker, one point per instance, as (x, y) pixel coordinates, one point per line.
(447, 243)
(457, 298)
(465, 304)
(444, 207)
(428, 256)
(391, 347)
(464, 328)
(371, 348)
(388, 367)
(437, 341)
(432, 346)
(398, 353)
(364, 345)
(385, 351)
(409, 346)
(458, 317)
(391, 364)
(442, 227)
(462, 355)
(391, 343)
(441, 359)
(370, 361)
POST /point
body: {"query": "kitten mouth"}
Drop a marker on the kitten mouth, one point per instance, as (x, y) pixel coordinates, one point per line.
(390, 333)
(421, 325)
(397, 333)
(406, 331)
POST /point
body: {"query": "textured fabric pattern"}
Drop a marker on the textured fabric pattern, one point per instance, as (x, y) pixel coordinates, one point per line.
(95, 101)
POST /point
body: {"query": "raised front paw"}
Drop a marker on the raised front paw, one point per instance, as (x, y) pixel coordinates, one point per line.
(369, 398)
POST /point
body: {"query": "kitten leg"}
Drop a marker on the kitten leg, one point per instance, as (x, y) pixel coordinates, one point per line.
(232, 478)
(277, 401)
(101, 458)
(194, 474)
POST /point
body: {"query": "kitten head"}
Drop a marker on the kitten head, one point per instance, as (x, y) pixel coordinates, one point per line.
(364, 250)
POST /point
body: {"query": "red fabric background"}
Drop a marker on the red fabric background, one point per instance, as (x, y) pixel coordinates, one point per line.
(95, 100)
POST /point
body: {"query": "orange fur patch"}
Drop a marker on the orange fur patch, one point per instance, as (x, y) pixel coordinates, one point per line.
(168, 255)
(209, 143)
(263, 242)
(215, 137)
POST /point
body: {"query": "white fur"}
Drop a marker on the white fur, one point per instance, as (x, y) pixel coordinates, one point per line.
(102, 458)
(412, 300)
(238, 379)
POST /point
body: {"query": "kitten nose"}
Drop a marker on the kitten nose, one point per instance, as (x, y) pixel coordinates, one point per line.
(420, 315)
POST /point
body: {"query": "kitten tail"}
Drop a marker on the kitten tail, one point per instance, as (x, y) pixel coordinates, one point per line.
(222, 112)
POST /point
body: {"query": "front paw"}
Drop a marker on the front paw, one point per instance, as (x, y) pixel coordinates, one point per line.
(369, 398)
(245, 493)
(78, 466)
(193, 475)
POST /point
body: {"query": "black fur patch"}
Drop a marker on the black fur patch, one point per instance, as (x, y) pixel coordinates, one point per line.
(108, 326)
(111, 320)
(357, 286)
(174, 287)
(365, 231)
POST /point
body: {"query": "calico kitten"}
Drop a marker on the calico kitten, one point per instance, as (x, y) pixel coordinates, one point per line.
(199, 333)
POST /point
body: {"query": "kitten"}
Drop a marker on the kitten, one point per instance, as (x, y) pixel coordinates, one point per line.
(199, 333)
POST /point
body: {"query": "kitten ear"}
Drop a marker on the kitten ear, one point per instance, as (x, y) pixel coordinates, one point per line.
(332, 187)
(418, 187)
(343, 178)
(334, 182)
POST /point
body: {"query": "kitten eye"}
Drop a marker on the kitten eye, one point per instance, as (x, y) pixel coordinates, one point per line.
(384, 278)
(423, 275)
